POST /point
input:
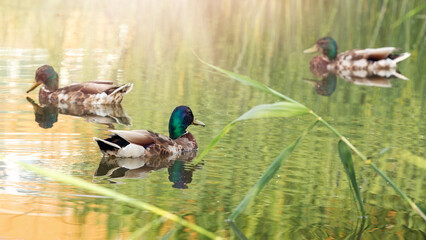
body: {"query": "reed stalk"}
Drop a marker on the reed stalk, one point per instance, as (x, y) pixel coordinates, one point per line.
(248, 81)
(268, 175)
(117, 196)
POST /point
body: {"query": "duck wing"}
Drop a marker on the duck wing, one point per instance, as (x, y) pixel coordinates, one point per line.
(374, 54)
(95, 92)
(139, 137)
(93, 87)
(155, 144)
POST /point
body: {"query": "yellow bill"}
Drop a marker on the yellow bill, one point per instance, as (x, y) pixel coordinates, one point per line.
(312, 49)
(198, 122)
(34, 86)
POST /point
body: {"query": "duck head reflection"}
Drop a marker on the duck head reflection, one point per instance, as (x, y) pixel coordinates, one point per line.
(326, 86)
(47, 114)
(126, 168)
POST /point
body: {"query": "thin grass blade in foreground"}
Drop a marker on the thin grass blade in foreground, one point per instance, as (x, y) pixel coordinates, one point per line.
(274, 110)
(279, 109)
(251, 82)
(117, 196)
(169, 234)
(416, 208)
(237, 231)
(346, 157)
(268, 175)
(248, 81)
(138, 233)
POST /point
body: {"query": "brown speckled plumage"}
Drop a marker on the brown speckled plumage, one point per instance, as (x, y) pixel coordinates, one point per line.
(381, 62)
(318, 65)
(87, 93)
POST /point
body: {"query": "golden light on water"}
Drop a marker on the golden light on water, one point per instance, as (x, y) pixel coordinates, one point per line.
(155, 44)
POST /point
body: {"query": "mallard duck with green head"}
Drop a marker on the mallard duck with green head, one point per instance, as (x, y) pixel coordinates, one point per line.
(144, 143)
(359, 62)
(87, 93)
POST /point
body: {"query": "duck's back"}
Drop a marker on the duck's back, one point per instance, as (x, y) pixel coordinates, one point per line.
(165, 146)
(95, 92)
(378, 61)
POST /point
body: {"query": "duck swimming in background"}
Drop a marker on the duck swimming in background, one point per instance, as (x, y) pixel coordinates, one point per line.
(360, 63)
(87, 93)
(144, 143)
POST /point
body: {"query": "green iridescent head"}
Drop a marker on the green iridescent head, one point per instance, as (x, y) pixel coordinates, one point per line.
(46, 75)
(326, 45)
(181, 118)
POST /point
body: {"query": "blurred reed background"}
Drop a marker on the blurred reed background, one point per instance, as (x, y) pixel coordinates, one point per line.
(152, 44)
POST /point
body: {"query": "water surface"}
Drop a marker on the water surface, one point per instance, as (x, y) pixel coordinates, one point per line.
(152, 44)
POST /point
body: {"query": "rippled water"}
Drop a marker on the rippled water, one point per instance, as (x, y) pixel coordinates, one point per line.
(152, 45)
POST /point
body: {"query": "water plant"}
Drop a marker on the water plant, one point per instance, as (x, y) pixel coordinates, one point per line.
(122, 198)
(290, 108)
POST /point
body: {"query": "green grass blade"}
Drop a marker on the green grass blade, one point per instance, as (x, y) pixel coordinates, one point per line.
(206, 150)
(401, 193)
(274, 110)
(268, 175)
(250, 82)
(140, 232)
(169, 234)
(409, 15)
(346, 158)
(237, 231)
(279, 109)
(241, 78)
(117, 196)
(379, 22)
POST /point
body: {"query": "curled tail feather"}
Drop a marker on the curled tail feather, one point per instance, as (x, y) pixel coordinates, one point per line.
(124, 89)
(400, 76)
(402, 57)
(105, 145)
(117, 95)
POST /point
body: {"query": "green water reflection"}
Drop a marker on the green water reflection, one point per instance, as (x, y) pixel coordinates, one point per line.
(152, 44)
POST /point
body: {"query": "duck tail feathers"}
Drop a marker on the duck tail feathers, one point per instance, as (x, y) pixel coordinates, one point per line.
(124, 89)
(400, 76)
(105, 145)
(402, 57)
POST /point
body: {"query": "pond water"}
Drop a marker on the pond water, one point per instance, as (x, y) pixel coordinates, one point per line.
(154, 44)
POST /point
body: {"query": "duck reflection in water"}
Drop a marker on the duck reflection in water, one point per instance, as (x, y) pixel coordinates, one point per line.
(47, 114)
(367, 67)
(131, 168)
(326, 86)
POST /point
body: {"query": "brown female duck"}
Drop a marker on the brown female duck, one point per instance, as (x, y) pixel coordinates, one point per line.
(87, 93)
(144, 143)
(358, 62)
